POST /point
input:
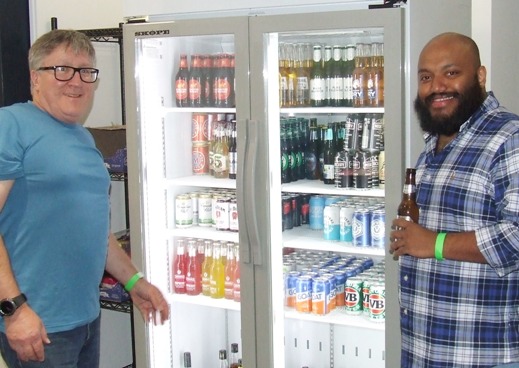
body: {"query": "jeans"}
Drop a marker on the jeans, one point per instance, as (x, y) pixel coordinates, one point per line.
(77, 348)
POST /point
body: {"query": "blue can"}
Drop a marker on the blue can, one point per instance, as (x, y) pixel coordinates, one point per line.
(304, 294)
(317, 212)
(378, 228)
(290, 289)
(361, 227)
(320, 296)
(331, 220)
(340, 282)
(332, 300)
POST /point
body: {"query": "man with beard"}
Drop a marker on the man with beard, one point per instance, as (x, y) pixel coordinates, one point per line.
(459, 266)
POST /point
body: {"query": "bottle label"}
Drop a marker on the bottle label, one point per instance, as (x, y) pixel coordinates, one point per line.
(317, 89)
(407, 218)
(181, 89)
(195, 89)
(220, 162)
(408, 189)
(233, 162)
(222, 90)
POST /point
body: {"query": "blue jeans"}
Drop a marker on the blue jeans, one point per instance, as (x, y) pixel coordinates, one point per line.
(77, 348)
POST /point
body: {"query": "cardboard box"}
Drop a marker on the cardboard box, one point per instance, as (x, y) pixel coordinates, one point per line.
(111, 142)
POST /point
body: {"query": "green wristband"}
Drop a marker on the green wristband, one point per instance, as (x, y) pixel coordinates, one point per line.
(131, 282)
(438, 247)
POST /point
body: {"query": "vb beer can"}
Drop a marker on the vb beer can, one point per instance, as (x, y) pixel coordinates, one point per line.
(377, 302)
(353, 296)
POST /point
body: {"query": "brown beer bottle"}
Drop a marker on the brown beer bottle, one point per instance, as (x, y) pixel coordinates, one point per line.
(408, 209)
(181, 83)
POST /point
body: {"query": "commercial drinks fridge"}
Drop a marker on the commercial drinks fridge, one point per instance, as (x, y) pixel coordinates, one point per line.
(285, 221)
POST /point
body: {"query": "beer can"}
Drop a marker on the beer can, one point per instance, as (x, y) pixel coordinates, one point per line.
(331, 218)
(345, 223)
(233, 215)
(340, 282)
(205, 209)
(320, 296)
(200, 158)
(214, 200)
(222, 213)
(361, 228)
(317, 212)
(290, 289)
(366, 283)
(378, 228)
(353, 296)
(332, 297)
(305, 209)
(377, 302)
(199, 126)
(286, 207)
(304, 293)
(194, 205)
(183, 211)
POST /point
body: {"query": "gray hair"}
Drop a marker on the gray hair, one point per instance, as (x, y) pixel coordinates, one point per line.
(76, 41)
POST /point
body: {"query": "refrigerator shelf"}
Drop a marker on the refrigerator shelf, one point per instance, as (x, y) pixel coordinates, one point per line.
(317, 187)
(206, 181)
(205, 233)
(331, 110)
(337, 318)
(204, 301)
(201, 110)
(304, 238)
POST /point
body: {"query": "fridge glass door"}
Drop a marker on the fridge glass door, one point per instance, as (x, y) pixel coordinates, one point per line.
(330, 129)
(184, 206)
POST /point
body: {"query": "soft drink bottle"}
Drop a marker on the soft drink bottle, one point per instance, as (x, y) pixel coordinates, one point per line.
(180, 269)
(217, 276)
(200, 254)
(206, 268)
(193, 279)
(233, 357)
(236, 285)
(229, 271)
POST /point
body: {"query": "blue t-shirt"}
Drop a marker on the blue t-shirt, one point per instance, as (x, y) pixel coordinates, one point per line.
(55, 223)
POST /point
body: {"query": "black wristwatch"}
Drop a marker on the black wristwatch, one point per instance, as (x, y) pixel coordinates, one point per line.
(9, 305)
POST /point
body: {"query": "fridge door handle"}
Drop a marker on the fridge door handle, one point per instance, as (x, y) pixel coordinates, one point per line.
(247, 188)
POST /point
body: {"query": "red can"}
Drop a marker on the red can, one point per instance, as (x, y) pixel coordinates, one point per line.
(199, 126)
(200, 158)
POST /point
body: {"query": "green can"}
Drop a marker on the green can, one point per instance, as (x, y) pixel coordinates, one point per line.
(353, 295)
(377, 302)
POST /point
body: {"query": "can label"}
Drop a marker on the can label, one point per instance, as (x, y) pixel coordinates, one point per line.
(340, 281)
(222, 213)
(194, 205)
(377, 302)
(361, 228)
(345, 224)
(378, 228)
(316, 212)
(353, 296)
(320, 296)
(183, 211)
(331, 219)
(205, 210)
(199, 126)
(290, 289)
(304, 294)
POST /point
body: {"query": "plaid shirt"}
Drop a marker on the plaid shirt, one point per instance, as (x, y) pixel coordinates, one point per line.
(462, 314)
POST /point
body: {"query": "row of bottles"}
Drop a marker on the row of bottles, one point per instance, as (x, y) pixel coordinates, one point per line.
(208, 82)
(234, 360)
(206, 267)
(317, 76)
(353, 148)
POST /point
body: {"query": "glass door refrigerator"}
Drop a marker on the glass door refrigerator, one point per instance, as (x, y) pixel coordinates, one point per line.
(308, 251)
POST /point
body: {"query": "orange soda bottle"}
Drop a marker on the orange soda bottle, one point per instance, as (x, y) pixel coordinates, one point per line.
(217, 275)
(236, 285)
(206, 268)
(193, 275)
(180, 268)
(229, 272)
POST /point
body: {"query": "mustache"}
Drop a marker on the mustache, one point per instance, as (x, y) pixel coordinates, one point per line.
(428, 100)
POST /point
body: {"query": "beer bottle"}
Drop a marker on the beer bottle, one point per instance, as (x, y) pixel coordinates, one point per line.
(283, 78)
(182, 83)
(187, 359)
(292, 149)
(329, 158)
(349, 66)
(195, 92)
(327, 65)
(285, 153)
(233, 153)
(359, 77)
(317, 79)
(222, 359)
(207, 71)
(335, 78)
(303, 76)
(343, 168)
(291, 75)
(378, 74)
(221, 153)
(408, 208)
(233, 358)
(312, 155)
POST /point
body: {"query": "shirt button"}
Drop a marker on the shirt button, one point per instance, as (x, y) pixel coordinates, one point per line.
(406, 278)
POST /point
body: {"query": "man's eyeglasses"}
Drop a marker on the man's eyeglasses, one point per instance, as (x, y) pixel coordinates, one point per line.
(65, 73)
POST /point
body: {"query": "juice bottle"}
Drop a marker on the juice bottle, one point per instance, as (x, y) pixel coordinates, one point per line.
(193, 275)
(217, 275)
(206, 268)
(180, 269)
(229, 272)
(236, 285)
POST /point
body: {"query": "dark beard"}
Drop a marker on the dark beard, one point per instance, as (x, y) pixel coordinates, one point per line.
(469, 102)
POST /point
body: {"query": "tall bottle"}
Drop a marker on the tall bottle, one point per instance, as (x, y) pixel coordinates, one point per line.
(187, 359)
(317, 79)
(207, 81)
(236, 293)
(378, 74)
(408, 208)
(222, 359)
(312, 155)
(327, 65)
(283, 76)
(230, 265)
(217, 275)
(286, 174)
(359, 76)
(180, 268)
(303, 75)
(193, 275)
(329, 158)
(206, 268)
(195, 92)
(348, 67)
(221, 153)
(233, 153)
(182, 83)
(233, 357)
(335, 79)
(291, 75)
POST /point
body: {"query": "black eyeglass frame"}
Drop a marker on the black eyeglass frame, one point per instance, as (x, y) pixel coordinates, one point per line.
(76, 70)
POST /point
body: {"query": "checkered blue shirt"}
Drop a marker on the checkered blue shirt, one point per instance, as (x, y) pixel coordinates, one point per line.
(462, 314)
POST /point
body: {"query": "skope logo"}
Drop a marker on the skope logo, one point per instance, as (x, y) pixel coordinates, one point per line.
(159, 32)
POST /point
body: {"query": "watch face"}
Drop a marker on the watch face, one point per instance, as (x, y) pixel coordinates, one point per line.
(7, 307)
